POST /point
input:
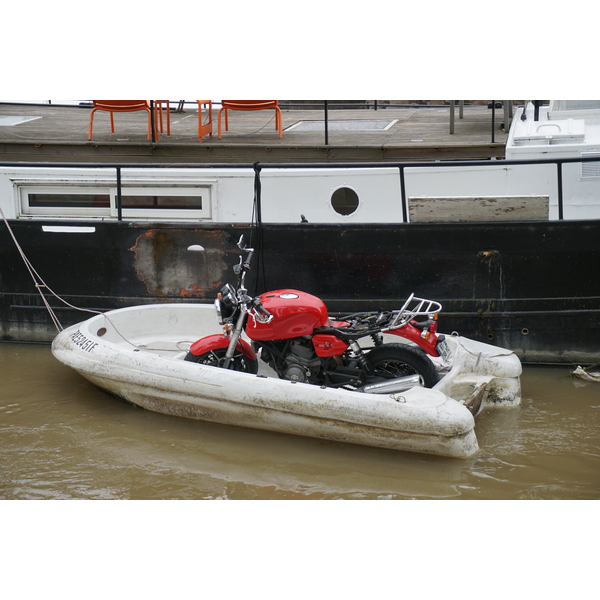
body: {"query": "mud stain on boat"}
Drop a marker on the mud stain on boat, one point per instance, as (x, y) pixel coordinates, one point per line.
(459, 445)
(165, 266)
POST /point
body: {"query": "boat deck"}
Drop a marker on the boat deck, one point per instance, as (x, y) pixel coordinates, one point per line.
(169, 348)
(60, 133)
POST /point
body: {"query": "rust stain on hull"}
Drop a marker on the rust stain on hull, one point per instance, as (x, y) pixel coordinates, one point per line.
(166, 268)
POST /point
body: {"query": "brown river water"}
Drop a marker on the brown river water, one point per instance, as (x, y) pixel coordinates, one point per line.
(61, 438)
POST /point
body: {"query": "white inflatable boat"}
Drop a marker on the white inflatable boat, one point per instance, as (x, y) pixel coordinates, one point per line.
(137, 354)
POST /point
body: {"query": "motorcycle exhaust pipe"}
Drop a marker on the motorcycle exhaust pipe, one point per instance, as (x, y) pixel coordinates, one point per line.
(392, 386)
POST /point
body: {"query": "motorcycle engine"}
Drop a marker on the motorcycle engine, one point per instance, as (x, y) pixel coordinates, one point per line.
(300, 360)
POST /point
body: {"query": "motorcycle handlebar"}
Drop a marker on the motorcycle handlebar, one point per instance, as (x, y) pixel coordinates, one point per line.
(256, 303)
(244, 265)
(248, 259)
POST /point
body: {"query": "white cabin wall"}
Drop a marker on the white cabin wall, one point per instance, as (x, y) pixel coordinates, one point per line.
(581, 195)
(8, 202)
(11, 177)
(232, 190)
(533, 180)
(289, 193)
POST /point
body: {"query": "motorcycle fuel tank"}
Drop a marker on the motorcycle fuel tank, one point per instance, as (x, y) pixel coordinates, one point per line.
(294, 313)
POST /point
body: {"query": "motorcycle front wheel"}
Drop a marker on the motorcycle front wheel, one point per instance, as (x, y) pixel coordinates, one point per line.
(390, 361)
(216, 358)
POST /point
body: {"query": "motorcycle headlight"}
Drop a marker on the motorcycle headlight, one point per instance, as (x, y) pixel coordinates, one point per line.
(219, 309)
(225, 303)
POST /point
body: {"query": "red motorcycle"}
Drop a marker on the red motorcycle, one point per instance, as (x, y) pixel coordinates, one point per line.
(294, 334)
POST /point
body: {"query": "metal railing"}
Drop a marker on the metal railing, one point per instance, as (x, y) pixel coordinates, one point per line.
(258, 167)
(324, 105)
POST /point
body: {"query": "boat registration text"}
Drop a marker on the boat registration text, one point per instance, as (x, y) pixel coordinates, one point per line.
(84, 343)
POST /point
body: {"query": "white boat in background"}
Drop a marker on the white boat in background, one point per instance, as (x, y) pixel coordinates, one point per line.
(137, 354)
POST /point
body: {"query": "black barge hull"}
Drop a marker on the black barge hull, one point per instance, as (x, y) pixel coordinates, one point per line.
(528, 286)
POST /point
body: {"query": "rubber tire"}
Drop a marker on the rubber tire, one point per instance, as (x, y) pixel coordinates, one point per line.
(399, 360)
(214, 358)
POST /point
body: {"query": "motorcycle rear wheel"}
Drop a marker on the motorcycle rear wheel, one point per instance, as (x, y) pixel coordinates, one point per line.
(215, 358)
(390, 361)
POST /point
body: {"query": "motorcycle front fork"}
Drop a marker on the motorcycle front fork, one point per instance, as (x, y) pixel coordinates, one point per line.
(233, 339)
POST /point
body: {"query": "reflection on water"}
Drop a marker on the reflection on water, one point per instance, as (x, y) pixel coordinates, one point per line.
(61, 438)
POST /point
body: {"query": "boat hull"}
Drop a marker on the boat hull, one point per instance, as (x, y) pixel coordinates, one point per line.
(117, 353)
(281, 417)
(527, 286)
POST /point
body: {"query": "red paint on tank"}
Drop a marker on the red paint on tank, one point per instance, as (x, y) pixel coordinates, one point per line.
(295, 314)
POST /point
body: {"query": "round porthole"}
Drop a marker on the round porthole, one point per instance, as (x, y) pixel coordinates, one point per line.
(344, 201)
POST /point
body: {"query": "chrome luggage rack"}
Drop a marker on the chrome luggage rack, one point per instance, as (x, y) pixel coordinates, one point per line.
(421, 308)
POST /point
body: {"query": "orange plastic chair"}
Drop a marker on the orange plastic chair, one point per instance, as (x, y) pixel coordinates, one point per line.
(249, 105)
(204, 128)
(158, 114)
(113, 106)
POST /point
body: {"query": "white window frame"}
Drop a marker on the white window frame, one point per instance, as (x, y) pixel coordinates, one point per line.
(58, 211)
(205, 189)
(163, 213)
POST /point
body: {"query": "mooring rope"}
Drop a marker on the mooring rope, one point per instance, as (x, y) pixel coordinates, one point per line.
(40, 284)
